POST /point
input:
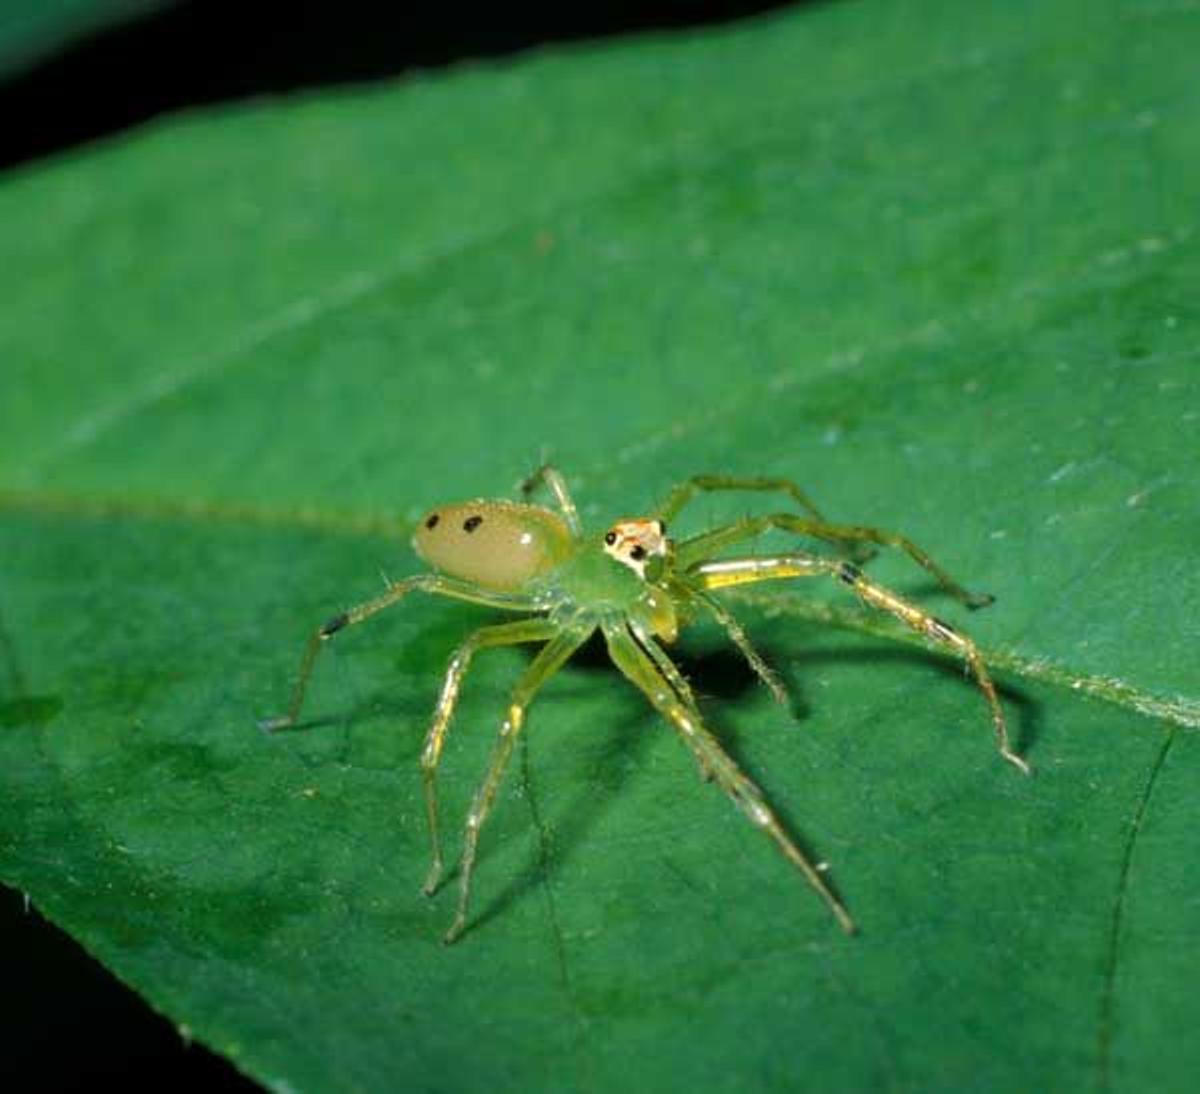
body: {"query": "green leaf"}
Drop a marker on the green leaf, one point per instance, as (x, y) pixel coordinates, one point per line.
(935, 261)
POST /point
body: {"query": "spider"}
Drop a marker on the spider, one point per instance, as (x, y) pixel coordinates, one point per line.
(638, 586)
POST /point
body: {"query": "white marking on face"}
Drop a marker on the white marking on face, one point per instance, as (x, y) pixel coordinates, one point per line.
(634, 542)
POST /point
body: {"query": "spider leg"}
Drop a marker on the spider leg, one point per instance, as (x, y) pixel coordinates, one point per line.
(664, 664)
(742, 571)
(549, 660)
(704, 546)
(554, 481)
(640, 670)
(502, 634)
(429, 583)
(685, 492)
(740, 639)
(674, 677)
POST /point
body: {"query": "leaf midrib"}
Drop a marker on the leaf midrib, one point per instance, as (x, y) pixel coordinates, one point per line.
(1177, 710)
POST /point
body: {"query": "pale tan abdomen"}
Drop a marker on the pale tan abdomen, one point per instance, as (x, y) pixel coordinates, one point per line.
(500, 545)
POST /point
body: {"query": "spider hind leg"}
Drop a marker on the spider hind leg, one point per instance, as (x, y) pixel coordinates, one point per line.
(549, 476)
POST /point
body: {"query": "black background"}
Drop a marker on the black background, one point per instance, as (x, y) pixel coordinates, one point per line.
(196, 53)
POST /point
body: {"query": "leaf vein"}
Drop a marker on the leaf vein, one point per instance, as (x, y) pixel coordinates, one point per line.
(1175, 709)
(1108, 997)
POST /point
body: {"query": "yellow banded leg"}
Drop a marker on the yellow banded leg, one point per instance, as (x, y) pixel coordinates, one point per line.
(743, 571)
(503, 634)
(630, 659)
(428, 583)
(673, 676)
(665, 665)
(549, 660)
(705, 546)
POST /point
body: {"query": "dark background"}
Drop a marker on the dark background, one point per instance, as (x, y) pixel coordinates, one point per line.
(197, 53)
(67, 1023)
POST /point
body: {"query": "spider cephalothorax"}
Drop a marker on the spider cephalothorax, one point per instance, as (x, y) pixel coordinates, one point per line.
(634, 585)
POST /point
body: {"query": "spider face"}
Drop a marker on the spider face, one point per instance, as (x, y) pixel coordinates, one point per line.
(635, 542)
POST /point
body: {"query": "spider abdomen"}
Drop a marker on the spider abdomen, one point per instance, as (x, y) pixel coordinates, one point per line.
(501, 545)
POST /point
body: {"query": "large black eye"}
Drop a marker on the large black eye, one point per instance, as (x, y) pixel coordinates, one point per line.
(610, 538)
(431, 523)
(471, 523)
(637, 552)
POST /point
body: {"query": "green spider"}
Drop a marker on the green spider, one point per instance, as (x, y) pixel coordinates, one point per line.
(638, 587)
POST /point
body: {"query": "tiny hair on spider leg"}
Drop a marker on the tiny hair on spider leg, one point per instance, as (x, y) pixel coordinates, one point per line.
(632, 582)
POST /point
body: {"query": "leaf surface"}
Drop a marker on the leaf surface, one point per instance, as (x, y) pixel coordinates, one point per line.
(935, 262)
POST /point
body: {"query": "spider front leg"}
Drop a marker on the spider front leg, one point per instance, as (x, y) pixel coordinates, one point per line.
(685, 492)
(708, 544)
(740, 639)
(743, 571)
(429, 583)
(549, 660)
(502, 634)
(640, 670)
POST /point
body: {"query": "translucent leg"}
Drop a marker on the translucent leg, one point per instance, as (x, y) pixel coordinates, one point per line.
(429, 583)
(630, 659)
(673, 676)
(683, 493)
(664, 664)
(740, 639)
(705, 546)
(548, 661)
(503, 634)
(743, 571)
(557, 485)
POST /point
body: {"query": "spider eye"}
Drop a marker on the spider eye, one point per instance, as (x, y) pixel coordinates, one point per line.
(610, 538)
(637, 552)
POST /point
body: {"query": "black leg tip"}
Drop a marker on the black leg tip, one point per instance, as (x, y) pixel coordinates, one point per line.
(335, 624)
